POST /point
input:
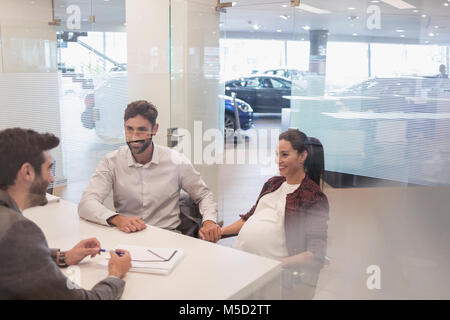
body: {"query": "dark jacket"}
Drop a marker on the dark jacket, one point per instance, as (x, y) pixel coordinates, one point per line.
(307, 213)
(27, 269)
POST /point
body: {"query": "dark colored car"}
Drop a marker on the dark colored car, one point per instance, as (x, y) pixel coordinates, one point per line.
(291, 74)
(245, 114)
(263, 93)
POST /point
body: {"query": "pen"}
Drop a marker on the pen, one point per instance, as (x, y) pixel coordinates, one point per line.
(117, 251)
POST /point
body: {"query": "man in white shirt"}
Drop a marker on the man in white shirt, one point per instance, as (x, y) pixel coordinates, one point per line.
(146, 180)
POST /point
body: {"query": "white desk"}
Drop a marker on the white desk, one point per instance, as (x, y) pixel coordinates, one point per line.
(208, 270)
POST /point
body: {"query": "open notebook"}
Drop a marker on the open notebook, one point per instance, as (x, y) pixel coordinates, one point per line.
(151, 260)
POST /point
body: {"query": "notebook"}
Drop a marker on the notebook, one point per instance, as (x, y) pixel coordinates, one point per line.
(151, 260)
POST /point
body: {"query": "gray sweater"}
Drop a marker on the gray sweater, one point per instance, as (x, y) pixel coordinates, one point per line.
(27, 269)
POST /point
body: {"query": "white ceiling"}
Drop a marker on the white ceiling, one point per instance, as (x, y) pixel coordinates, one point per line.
(241, 18)
(238, 21)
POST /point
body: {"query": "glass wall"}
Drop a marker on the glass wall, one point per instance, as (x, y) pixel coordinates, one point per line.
(369, 80)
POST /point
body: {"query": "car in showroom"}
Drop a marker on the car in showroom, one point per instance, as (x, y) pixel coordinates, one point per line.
(266, 94)
(291, 74)
(111, 95)
(245, 115)
(402, 94)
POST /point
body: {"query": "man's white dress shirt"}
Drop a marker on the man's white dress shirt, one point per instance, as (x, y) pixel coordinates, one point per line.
(149, 191)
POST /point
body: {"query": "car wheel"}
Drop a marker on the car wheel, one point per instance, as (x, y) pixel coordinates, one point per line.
(230, 124)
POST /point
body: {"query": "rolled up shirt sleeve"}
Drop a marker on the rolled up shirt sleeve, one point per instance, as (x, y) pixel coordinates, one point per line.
(193, 184)
(91, 205)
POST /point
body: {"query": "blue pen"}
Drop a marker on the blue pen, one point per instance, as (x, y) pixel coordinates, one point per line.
(117, 251)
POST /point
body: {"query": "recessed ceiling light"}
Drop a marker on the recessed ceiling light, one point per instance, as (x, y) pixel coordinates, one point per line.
(256, 27)
(283, 16)
(436, 27)
(431, 34)
(375, 1)
(446, 4)
(351, 8)
(306, 28)
(355, 34)
(399, 4)
(402, 36)
(312, 9)
(284, 5)
(424, 16)
(399, 30)
(279, 30)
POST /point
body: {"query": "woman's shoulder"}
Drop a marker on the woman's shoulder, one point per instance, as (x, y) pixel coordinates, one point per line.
(312, 191)
(275, 181)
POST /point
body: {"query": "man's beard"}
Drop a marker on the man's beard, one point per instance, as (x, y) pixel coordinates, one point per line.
(37, 194)
(145, 145)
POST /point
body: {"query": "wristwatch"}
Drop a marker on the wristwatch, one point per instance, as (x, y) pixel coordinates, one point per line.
(61, 259)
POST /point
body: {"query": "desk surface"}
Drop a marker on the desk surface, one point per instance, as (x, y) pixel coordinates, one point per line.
(208, 270)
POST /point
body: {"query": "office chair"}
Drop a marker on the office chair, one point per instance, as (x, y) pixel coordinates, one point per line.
(191, 219)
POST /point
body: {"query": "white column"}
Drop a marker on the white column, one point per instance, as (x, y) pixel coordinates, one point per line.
(189, 32)
(148, 57)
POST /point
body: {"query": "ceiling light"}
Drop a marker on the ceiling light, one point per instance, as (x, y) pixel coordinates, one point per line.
(436, 27)
(256, 27)
(424, 16)
(355, 34)
(284, 5)
(431, 34)
(446, 4)
(351, 8)
(402, 36)
(399, 30)
(279, 30)
(415, 11)
(375, 1)
(399, 4)
(285, 17)
(312, 9)
(306, 28)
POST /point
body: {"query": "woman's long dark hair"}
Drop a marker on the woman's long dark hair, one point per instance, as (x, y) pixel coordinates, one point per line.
(315, 162)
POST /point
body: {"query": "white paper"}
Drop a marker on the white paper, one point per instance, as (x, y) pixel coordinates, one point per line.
(51, 198)
(142, 260)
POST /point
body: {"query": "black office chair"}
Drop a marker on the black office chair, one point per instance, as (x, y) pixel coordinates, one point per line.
(191, 219)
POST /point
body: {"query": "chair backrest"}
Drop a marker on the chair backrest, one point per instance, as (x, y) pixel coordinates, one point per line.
(191, 219)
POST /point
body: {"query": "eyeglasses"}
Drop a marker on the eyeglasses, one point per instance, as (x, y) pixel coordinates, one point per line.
(162, 259)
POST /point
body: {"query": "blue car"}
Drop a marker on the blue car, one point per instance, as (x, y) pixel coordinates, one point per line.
(245, 115)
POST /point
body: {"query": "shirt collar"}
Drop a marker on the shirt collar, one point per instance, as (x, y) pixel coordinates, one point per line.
(7, 201)
(132, 162)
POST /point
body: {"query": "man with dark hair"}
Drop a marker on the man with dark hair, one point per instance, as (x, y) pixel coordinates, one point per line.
(29, 269)
(146, 180)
